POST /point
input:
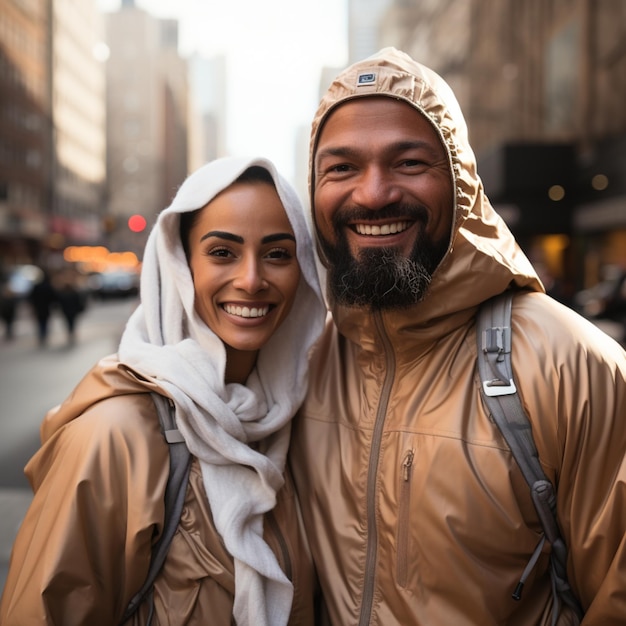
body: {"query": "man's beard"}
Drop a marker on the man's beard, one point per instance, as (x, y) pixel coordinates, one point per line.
(381, 278)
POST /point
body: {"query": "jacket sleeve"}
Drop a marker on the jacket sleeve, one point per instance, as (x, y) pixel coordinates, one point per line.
(84, 546)
(592, 483)
(577, 403)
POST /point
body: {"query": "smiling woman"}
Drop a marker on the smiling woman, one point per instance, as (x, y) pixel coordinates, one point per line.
(242, 255)
(230, 307)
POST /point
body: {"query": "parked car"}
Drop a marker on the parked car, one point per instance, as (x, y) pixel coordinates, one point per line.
(114, 284)
(605, 303)
(607, 299)
(22, 278)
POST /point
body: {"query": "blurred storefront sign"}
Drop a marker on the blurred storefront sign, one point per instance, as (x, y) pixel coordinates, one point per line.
(601, 215)
(602, 204)
(533, 184)
(30, 225)
(84, 230)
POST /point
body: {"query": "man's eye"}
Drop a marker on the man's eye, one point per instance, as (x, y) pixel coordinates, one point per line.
(413, 163)
(341, 167)
(328, 169)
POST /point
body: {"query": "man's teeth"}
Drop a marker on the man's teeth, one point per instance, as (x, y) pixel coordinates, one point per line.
(245, 311)
(385, 229)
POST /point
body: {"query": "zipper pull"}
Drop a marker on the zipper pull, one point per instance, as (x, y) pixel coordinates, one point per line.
(406, 464)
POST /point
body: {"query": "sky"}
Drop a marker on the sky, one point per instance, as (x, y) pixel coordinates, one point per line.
(275, 50)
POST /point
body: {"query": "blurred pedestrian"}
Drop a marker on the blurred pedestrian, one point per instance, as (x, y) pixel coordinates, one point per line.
(230, 307)
(72, 303)
(42, 299)
(8, 308)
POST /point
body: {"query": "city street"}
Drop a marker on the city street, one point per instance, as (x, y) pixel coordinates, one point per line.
(33, 380)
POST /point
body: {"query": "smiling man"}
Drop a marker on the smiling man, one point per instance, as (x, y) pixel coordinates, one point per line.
(416, 511)
(383, 196)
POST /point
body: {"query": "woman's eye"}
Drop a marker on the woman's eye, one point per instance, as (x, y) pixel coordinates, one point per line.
(219, 252)
(279, 253)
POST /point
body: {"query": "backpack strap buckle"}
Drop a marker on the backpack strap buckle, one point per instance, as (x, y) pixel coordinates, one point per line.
(497, 387)
(496, 342)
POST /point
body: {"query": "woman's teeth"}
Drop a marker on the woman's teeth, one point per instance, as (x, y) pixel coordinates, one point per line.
(245, 311)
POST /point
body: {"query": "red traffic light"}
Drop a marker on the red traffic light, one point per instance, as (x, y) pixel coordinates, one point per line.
(136, 223)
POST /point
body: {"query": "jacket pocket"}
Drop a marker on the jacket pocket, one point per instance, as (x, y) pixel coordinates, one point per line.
(402, 541)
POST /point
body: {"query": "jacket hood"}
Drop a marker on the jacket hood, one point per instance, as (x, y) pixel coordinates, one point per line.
(483, 258)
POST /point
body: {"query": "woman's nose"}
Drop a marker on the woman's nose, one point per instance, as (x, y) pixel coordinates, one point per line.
(376, 188)
(250, 277)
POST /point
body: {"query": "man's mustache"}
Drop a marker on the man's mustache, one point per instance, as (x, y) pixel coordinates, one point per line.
(398, 211)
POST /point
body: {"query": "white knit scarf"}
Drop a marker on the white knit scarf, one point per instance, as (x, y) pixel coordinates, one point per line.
(166, 342)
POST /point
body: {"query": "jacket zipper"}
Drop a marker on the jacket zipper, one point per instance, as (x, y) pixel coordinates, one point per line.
(403, 519)
(282, 544)
(372, 471)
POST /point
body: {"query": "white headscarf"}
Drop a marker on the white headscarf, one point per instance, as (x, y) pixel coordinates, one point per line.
(167, 342)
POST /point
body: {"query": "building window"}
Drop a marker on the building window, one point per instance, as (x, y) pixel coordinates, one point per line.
(562, 71)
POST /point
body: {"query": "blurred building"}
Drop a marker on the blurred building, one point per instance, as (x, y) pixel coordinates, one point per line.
(25, 129)
(52, 148)
(208, 115)
(364, 18)
(301, 160)
(147, 109)
(542, 84)
(77, 84)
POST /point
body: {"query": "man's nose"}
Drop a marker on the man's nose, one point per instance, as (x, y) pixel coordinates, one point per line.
(250, 276)
(376, 188)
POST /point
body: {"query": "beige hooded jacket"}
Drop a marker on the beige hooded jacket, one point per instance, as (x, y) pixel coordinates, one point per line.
(416, 512)
(99, 481)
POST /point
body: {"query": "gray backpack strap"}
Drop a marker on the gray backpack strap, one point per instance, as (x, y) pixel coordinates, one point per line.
(175, 491)
(501, 399)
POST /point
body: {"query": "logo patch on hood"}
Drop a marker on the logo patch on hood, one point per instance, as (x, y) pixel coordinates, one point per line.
(365, 78)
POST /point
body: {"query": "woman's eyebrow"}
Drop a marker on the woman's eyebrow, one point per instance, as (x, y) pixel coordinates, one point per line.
(237, 239)
(222, 235)
(277, 237)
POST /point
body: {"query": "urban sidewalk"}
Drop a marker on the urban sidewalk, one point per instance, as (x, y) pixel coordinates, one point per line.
(13, 504)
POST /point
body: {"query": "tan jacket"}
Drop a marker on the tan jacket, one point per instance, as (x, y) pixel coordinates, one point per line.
(416, 513)
(84, 547)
